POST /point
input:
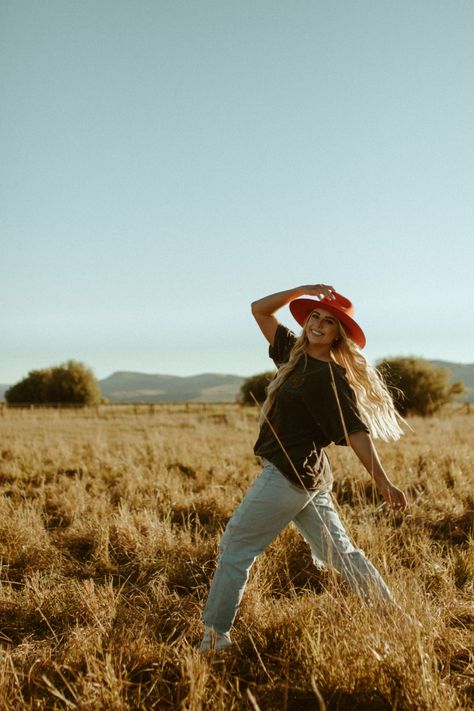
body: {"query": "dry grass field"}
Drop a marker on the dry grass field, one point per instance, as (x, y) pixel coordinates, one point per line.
(109, 529)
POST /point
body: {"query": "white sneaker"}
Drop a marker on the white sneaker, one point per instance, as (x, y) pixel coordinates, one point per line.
(213, 640)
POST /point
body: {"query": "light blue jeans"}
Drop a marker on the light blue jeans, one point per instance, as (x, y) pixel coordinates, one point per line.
(269, 505)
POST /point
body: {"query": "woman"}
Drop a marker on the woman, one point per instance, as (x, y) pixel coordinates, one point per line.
(324, 391)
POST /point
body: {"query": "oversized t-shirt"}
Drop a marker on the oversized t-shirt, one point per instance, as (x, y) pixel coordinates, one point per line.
(306, 417)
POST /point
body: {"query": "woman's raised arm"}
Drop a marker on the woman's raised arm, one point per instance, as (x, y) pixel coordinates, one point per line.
(264, 309)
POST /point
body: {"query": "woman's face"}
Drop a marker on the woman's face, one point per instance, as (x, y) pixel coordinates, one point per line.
(321, 328)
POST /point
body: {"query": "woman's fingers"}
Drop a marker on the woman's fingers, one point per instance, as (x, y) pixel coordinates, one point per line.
(397, 500)
(322, 290)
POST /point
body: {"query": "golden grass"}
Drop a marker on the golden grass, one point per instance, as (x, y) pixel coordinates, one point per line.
(110, 521)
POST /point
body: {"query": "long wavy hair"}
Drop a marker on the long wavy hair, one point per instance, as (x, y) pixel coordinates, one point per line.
(373, 399)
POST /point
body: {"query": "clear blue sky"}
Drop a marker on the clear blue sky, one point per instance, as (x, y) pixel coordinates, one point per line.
(165, 162)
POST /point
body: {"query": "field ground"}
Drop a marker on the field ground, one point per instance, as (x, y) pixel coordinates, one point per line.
(109, 531)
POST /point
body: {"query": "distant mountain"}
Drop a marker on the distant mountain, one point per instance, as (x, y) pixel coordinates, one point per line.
(460, 371)
(213, 387)
(125, 386)
(141, 387)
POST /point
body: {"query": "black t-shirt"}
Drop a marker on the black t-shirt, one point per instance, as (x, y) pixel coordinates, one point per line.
(306, 417)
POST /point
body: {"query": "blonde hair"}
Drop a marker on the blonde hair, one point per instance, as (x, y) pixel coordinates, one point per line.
(374, 402)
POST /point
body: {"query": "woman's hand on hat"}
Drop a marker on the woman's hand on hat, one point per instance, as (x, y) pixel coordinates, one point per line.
(320, 290)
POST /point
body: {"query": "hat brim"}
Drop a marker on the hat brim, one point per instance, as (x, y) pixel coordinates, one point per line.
(301, 309)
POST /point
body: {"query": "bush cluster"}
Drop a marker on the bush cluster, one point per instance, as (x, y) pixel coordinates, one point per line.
(417, 387)
(71, 383)
(256, 386)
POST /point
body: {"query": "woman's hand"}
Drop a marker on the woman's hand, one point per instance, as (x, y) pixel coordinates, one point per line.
(363, 446)
(265, 308)
(319, 290)
(394, 497)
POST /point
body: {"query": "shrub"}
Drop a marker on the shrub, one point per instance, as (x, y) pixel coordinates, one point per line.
(256, 385)
(71, 383)
(417, 386)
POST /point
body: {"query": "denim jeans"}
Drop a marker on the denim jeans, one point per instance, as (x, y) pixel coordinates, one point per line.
(269, 505)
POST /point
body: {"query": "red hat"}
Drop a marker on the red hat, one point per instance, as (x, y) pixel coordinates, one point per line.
(340, 307)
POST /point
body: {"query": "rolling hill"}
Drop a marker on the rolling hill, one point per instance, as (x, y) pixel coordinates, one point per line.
(132, 387)
(142, 387)
(212, 387)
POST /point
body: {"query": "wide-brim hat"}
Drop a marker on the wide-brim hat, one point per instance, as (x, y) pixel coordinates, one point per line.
(340, 307)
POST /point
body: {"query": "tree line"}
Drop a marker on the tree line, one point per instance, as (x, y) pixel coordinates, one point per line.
(417, 387)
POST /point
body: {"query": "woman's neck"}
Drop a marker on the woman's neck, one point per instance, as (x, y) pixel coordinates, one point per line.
(321, 353)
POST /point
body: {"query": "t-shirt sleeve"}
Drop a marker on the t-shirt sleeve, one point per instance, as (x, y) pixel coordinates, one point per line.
(320, 399)
(282, 345)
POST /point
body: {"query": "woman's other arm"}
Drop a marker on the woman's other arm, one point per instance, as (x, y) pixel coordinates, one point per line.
(363, 446)
(264, 309)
